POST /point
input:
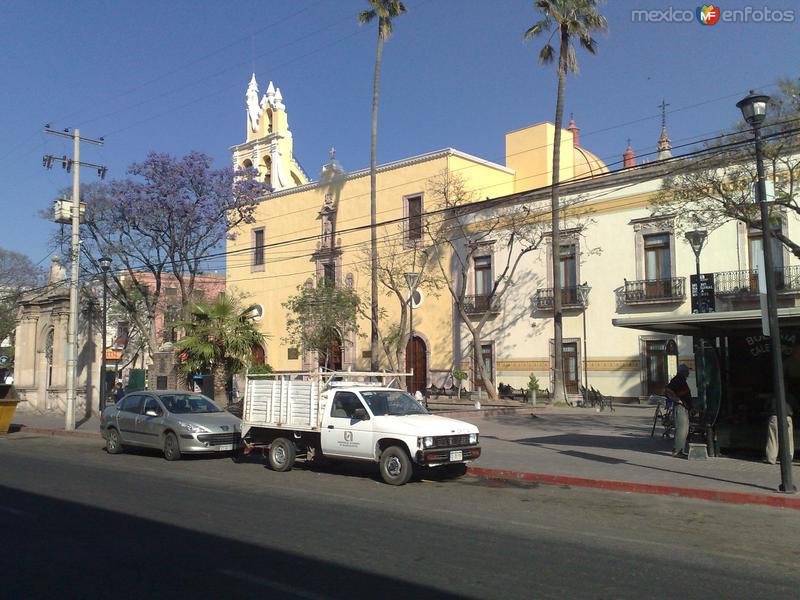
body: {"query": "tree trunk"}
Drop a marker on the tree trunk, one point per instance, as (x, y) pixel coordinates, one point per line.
(219, 375)
(373, 210)
(486, 383)
(559, 392)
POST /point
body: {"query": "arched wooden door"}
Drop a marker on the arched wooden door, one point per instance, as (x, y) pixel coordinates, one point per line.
(258, 357)
(334, 357)
(417, 359)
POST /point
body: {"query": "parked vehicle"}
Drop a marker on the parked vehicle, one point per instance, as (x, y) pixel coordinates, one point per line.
(176, 422)
(336, 417)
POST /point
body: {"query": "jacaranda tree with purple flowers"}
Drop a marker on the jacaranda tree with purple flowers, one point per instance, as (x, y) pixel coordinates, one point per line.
(160, 226)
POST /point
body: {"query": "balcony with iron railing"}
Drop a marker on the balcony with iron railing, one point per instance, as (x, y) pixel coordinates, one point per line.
(478, 304)
(570, 298)
(652, 291)
(744, 284)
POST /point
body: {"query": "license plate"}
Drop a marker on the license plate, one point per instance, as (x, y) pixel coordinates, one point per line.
(224, 447)
(456, 455)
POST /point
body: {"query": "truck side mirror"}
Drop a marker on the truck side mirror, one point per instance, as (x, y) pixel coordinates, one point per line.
(360, 414)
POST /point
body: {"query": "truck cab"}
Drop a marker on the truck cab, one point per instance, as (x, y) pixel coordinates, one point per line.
(367, 422)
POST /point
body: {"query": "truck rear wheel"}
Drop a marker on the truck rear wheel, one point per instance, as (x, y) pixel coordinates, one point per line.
(281, 455)
(395, 466)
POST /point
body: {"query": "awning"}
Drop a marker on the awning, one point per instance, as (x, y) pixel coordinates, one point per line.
(717, 323)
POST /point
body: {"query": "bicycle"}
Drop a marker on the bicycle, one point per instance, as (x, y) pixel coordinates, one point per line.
(665, 415)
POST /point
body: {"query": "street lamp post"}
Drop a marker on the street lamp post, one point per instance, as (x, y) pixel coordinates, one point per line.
(754, 111)
(697, 240)
(105, 266)
(583, 293)
(411, 279)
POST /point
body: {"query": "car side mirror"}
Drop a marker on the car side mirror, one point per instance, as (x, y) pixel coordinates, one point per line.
(361, 414)
(151, 413)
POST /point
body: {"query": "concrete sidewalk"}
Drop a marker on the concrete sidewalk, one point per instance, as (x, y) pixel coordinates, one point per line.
(615, 451)
(576, 447)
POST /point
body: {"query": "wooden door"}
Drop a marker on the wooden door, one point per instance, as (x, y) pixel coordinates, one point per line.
(417, 359)
(570, 365)
(655, 356)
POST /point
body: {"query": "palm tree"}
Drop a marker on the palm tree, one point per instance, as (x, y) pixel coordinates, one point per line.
(219, 337)
(384, 11)
(569, 20)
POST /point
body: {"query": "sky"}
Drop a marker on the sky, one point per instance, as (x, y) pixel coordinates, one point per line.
(171, 77)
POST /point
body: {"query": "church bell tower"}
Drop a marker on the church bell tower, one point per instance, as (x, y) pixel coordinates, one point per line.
(269, 141)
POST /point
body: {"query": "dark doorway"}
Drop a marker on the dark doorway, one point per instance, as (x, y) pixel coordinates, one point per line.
(417, 359)
(258, 356)
(332, 358)
(570, 365)
(655, 356)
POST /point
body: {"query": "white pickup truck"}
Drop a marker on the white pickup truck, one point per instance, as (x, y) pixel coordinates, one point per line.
(348, 420)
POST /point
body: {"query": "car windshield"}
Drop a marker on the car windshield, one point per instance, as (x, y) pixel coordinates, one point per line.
(395, 403)
(188, 404)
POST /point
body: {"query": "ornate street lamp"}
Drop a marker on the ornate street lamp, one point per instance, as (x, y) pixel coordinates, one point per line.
(754, 111)
(697, 240)
(105, 266)
(412, 279)
(583, 297)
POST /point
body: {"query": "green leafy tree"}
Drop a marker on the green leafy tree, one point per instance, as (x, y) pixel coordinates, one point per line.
(17, 274)
(321, 319)
(567, 21)
(219, 338)
(384, 11)
(719, 187)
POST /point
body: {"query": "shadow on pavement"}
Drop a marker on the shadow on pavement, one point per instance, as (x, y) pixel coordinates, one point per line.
(88, 552)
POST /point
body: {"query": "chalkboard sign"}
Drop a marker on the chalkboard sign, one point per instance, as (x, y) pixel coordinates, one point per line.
(702, 287)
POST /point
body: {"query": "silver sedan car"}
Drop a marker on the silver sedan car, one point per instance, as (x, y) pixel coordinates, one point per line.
(176, 422)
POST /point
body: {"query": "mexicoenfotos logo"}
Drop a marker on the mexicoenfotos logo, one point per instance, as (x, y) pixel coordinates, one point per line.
(711, 14)
(708, 14)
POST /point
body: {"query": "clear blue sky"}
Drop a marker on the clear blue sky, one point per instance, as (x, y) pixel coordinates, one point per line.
(171, 77)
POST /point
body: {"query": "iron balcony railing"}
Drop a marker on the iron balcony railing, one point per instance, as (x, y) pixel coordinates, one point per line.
(570, 298)
(655, 290)
(745, 283)
(477, 304)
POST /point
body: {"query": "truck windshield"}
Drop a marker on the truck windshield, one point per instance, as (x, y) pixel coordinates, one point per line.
(395, 403)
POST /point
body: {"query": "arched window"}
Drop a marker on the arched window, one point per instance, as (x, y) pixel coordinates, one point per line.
(48, 355)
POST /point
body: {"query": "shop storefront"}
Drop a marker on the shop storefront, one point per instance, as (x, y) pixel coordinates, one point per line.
(733, 372)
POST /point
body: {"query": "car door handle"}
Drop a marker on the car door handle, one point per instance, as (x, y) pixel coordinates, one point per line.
(330, 427)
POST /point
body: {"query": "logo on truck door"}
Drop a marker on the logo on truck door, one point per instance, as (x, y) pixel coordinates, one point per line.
(348, 442)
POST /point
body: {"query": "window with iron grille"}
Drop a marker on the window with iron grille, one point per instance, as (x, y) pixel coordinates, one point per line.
(258, 247)
(414, 218)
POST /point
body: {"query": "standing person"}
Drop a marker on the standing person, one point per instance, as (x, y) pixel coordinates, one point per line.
(678, 391)
(118, 392)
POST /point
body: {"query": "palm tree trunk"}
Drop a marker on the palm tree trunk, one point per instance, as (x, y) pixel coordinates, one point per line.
(559, 392)
(218, 373)
(373, 210)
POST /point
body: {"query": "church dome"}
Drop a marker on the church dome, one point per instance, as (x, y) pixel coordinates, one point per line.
(586, 164)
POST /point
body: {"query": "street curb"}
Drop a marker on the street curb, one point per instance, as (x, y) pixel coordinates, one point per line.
(774, 501)
(46, 431)
(490, 412)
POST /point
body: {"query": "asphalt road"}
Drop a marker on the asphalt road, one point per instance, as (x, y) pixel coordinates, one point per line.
(78, 523)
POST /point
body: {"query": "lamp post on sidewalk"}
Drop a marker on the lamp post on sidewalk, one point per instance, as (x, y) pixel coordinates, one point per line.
(754, 111)
(105, 266)
(583, 296)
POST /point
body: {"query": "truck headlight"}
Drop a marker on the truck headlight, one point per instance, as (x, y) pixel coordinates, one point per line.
(427, 441)
(473, 438)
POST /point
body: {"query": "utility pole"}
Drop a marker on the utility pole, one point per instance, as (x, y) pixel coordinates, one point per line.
(72, 330)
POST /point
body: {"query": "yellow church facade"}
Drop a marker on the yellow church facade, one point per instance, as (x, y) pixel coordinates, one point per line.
(306, 230)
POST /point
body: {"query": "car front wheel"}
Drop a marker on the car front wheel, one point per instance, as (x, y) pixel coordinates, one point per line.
(113, 442)
(395, 466)
(172, 449)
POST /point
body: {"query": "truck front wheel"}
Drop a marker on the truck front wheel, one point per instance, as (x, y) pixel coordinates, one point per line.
(281, 455)
(395, 466)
